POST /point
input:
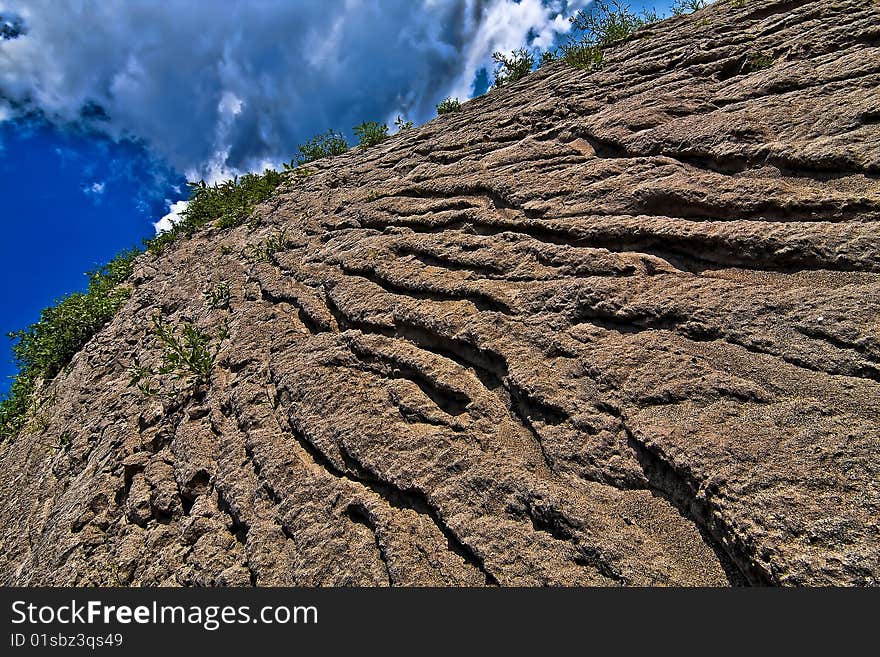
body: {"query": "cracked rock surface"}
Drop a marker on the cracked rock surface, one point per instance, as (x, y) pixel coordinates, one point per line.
(609, 328)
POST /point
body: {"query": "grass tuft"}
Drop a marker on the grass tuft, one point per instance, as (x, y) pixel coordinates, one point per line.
(402, 124)
(263, 251)
(218, 297)
(757, 61)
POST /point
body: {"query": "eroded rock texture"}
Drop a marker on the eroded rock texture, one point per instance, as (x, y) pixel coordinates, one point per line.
(595, 329)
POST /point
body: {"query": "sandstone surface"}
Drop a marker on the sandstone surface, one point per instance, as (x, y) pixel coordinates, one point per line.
(608, 328)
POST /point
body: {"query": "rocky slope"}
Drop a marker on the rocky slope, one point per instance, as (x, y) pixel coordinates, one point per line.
(598, 328)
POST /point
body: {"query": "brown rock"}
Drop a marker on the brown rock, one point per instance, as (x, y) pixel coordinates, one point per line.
(598, 328)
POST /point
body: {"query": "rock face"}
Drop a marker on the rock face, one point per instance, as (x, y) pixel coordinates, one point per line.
(598, 328)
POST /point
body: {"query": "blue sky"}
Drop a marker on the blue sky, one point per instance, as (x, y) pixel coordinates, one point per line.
(106, 108)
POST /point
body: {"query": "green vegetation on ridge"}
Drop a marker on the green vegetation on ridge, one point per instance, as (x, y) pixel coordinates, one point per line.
(44, 348)
(320, 146)
(604, 24)
(512, 67)
(370, 133)
(226, 205)
(448, 105)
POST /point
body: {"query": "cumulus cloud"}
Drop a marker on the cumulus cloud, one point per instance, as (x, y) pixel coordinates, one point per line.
(174, 215)
(506, 26)
(228, 88)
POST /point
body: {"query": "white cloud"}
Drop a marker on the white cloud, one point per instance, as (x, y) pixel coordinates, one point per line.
(167, 222)
(230, 105)
(215, 92)
(505, 26)
(94, 190)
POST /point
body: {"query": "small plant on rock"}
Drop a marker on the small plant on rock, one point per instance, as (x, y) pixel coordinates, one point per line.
(402, 124)
(264, 250)
(757, 61)
(65, 441)
(548, 57)
(512, 67)
(188, 352)
(370, 133)
(684, 7)
(605, 24)
(218, 296)
(448, 105)
(141, 377)
(320, 146)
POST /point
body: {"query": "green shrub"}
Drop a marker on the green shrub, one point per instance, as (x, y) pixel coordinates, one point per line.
(607, 23)
(757, 61)
(218, 296)
(43, 349)
(683, 7)
(18, 406)
(651, 16)
(326, 145)
(63, 329)
(402, 124)
(141, 377)
(225, 204)
(604, 24)
(582, 55)
(370, 133)
(512, 67)
(190, 354)
(229, 203)
(549, 56)
(449, 105)
(187, 353)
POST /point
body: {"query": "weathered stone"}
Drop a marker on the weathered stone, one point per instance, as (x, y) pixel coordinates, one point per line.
(601, 328)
